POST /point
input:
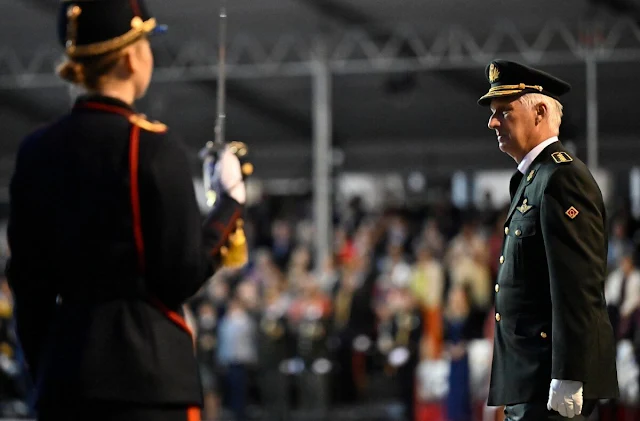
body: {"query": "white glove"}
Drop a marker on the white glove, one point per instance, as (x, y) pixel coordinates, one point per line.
(231, 176)
(565, 396)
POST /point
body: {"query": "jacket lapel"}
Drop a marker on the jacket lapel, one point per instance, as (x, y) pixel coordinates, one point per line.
(514, 183)
(516, 197)
(530, 176)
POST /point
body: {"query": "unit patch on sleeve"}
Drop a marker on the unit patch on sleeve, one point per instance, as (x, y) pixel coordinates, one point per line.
(572, 212)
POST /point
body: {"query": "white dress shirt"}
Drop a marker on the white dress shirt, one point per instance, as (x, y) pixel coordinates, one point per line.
(523, 166)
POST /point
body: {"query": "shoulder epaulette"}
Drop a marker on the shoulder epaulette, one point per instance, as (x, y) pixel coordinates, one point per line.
(141, 121)
(561, 157)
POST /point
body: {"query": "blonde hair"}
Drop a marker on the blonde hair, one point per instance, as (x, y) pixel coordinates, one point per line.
(88, 71)
(554, 108)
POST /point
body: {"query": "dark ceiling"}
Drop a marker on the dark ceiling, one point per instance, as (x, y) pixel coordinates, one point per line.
(382, 120)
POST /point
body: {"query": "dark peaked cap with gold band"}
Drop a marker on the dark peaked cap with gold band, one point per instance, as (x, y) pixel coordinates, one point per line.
(94, 27)
(508, 78)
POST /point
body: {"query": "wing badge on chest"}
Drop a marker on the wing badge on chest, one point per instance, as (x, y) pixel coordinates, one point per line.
(525, 207)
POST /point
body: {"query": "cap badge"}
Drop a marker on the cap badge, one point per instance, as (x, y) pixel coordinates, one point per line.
(494, 73)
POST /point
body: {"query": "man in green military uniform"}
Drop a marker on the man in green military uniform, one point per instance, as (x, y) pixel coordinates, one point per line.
(554, 348)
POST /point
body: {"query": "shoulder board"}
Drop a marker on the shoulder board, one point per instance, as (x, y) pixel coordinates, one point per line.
(561, 157)
(141, 121)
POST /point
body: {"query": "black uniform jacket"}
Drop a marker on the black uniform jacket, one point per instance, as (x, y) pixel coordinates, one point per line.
(107, 242)
(551, 317)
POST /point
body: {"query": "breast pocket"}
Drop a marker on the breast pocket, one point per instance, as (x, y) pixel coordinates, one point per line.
(522, 228)
(525, 238)
(521, 233)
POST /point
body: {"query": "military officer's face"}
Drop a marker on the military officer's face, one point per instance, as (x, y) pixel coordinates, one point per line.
(513, 123)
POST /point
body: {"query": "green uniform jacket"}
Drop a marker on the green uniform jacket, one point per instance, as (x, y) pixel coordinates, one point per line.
(551, 317)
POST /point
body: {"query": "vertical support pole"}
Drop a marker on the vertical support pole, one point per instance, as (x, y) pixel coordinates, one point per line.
(592, 109)
(634, 191)
(322, 129)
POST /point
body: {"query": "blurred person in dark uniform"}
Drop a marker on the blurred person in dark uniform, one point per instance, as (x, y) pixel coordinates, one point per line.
(107, 238)
(554, 351)
(398, 340)
(344, 333)
(354, 214)
(310, 315)
(206, 350)
(282, 243)
(408, 330)
(275, 349)
(352, 330)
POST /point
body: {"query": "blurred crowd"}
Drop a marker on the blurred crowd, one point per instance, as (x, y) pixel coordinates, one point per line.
(401, 288)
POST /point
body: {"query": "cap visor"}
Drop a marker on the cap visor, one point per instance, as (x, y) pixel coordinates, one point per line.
(486, 99)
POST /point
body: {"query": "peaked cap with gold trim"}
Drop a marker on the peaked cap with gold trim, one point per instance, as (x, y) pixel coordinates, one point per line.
(94, 27)
(508, 78)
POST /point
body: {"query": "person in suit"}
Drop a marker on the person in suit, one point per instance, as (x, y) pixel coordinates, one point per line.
(554, 347)
(107, 239)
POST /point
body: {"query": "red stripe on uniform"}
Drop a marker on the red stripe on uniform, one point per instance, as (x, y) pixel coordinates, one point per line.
(134, 152)
(225, 231)
(193, 414)
(172, 315)
(135, 8)
(134, 155)
(105, 107)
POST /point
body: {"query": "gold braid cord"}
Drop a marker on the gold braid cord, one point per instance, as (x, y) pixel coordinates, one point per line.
(504, 90)
(138, 28)
(236, 253)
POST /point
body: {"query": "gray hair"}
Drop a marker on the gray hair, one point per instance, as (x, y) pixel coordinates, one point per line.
(553, 106)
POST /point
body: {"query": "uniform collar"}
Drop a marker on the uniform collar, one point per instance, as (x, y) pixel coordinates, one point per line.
(103, 103)
(528, 159)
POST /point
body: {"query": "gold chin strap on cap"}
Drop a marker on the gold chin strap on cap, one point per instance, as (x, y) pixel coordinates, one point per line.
(511, 89)
(138, 28)
(72, 26)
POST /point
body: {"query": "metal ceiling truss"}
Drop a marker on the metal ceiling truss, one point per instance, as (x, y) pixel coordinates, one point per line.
(356, 52)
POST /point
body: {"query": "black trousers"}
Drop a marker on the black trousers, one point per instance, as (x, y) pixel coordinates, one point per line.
(539, 412)
(237, 380)
(107, 411)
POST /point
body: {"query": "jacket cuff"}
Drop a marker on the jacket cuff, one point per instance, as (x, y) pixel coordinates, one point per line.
(221, 222)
